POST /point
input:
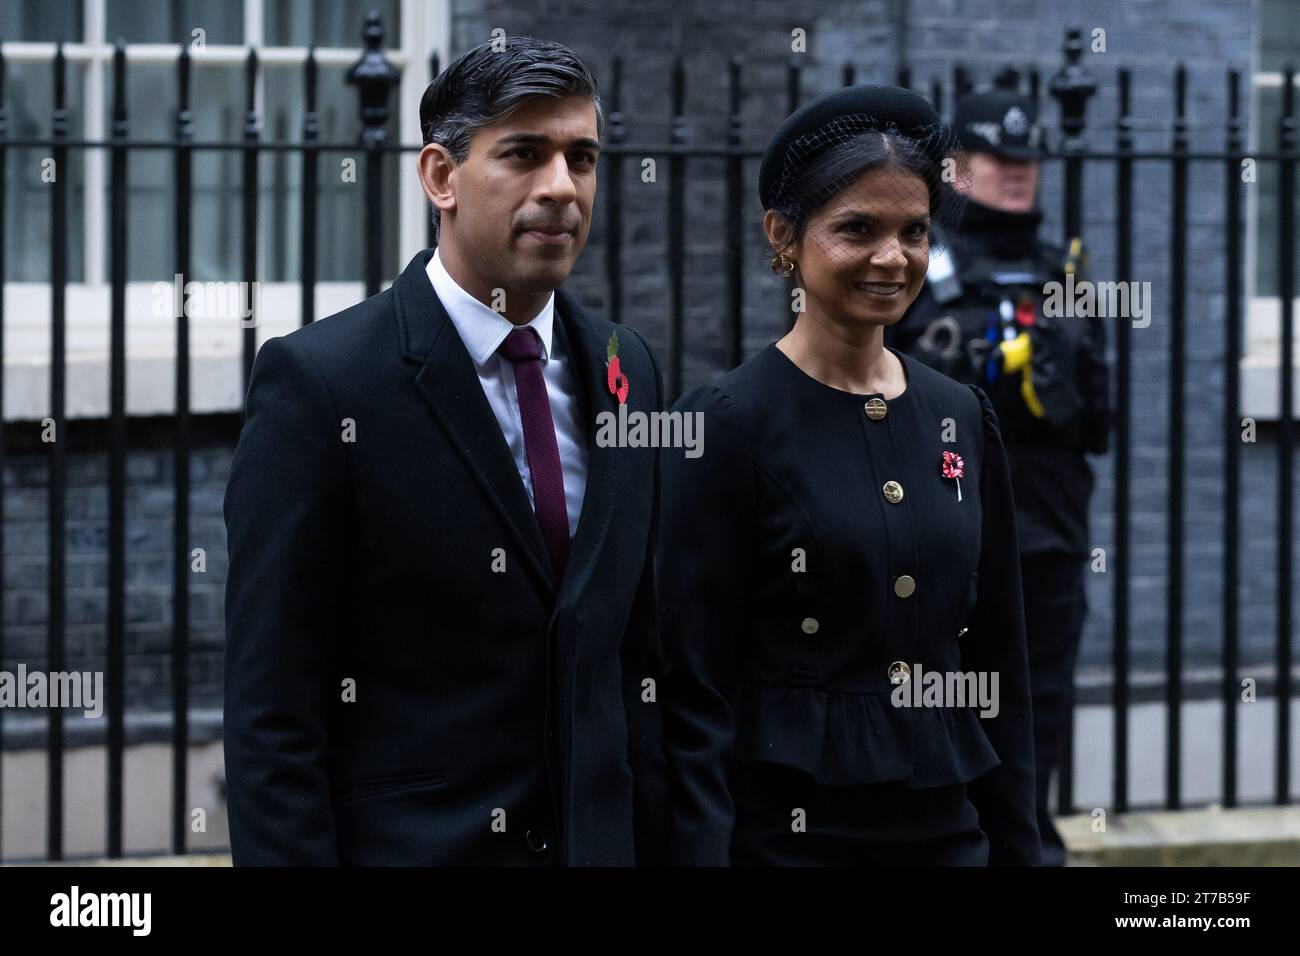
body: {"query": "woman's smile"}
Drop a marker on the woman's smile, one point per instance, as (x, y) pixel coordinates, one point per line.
(889, 291)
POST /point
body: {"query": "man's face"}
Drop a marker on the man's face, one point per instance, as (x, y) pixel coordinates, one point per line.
(517, 212)
(1007, 184)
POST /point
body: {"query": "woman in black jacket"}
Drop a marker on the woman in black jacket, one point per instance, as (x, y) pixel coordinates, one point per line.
(842, 559)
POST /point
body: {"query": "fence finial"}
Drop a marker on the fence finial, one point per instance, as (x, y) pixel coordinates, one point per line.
(374, 78)
(1072, 85)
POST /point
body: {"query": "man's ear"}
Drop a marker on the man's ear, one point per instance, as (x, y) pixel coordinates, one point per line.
(437, 173)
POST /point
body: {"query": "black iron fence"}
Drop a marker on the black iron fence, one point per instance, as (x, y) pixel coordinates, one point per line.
(1071, 86)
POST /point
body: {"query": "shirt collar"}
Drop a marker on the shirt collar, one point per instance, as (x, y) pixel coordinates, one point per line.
(483, 329)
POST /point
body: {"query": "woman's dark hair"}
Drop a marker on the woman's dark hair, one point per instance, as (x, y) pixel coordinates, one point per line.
(808, 186)
(485, 84)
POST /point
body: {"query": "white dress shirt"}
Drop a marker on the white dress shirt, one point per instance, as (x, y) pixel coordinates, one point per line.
(483, 330)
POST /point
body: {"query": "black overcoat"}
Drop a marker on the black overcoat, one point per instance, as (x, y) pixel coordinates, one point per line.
(405, 683)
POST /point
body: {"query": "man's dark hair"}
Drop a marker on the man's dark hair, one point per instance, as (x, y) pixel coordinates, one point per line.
(485, 84)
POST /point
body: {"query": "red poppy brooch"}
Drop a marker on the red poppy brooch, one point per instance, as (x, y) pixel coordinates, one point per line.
(614, 375)
(954, 468)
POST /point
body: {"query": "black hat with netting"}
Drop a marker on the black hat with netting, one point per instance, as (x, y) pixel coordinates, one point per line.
(817, 155)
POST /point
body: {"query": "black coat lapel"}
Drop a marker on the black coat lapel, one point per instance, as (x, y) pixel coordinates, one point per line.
(586, 346)
(448, 383)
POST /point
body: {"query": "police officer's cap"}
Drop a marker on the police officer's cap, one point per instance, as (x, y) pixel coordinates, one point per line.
(1002, 122)
(828, 119)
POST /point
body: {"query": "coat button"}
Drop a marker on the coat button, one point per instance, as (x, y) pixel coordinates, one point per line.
(899, 672)
(893, 491)
(962, 631)
(876, 409)
(904, 585)
(536, 841)
(810, 625)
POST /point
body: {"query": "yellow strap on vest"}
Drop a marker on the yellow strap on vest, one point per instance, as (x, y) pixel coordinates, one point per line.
(1016, 356)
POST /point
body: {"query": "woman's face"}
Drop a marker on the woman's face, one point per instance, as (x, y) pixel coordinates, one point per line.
(863, 255)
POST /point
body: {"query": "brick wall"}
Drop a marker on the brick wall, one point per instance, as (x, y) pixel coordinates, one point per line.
(149, 513)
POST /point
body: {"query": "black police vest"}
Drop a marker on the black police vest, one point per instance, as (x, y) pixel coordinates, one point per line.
(959, 321)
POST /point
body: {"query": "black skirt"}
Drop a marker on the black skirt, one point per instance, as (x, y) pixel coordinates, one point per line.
(872, 825)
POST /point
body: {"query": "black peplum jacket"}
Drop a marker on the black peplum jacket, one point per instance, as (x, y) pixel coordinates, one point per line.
(814, 546)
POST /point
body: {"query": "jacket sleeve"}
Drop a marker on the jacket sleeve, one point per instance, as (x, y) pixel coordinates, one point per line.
(995, 644)
(642, 658)
(705, 547)
(284, 509)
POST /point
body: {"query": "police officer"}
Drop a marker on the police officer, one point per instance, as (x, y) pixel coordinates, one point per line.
(986, 316)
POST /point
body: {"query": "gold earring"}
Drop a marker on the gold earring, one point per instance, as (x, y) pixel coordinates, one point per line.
(786, 265)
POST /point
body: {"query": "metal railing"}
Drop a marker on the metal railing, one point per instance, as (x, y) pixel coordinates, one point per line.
(1072, 86)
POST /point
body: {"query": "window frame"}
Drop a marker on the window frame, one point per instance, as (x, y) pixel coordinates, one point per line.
(1260, 365)
(215, 342)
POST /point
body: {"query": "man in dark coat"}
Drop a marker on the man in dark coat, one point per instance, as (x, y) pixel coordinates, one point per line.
(982, 318)
(442, 637)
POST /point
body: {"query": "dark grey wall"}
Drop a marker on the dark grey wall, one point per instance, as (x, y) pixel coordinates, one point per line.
(149, 513)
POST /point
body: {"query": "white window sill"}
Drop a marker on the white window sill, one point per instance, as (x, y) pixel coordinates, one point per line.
(215, 343)
(215, 348)
(1261, 386)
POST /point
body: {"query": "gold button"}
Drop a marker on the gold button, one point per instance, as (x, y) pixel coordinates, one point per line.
(899, 672)
(894, 491)
(810, 625)
(904, 585)
(876, 409)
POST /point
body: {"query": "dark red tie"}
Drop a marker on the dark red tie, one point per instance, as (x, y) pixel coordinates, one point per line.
(523, 350)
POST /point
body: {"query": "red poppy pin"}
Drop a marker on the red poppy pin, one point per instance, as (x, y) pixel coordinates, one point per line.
(954, 468)
(614, 375)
